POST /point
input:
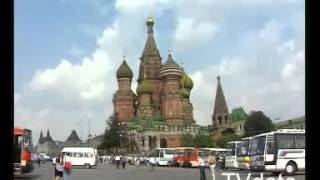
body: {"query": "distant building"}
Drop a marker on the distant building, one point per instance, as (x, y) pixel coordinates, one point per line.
(73, 140)
(52, 148)
(47, 145)
(239, 117)
(296, 123)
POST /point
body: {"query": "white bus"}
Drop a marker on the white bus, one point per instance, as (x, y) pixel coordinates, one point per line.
(81, 156)
(243, 152)
(279, 151)
(231, 155)
(163, 156)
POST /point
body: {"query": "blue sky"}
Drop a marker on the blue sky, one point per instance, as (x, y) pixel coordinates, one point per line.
(67, 52)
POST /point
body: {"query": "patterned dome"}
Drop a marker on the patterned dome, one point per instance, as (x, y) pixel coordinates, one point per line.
(124, 71)
(170, 69)
(145, 87)
(185, 93)
(186, 81)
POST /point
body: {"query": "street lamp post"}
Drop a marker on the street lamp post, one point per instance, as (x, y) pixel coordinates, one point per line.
(89, 135)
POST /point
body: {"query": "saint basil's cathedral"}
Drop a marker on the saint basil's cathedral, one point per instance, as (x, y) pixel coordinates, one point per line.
(160, 112)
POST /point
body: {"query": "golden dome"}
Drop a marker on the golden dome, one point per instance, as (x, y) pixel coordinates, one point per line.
(150, 20)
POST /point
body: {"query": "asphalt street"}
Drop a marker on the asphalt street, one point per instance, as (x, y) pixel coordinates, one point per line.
(109, 172)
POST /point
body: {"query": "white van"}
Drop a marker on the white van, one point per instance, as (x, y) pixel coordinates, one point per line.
(81, 156)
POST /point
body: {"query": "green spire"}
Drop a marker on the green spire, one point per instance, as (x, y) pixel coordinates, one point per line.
(220, 104)
(186, 81)
(185, 93)
(145, 87)
(124, 71)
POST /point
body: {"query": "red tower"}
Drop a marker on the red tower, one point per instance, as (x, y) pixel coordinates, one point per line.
(124, 97)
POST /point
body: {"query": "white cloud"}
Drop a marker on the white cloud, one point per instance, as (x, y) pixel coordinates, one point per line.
(273, 83)
(189, 32)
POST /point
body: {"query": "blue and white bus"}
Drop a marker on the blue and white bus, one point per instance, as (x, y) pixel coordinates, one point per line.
(279, 151)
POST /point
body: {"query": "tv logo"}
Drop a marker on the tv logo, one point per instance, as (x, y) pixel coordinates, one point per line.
(256, 178)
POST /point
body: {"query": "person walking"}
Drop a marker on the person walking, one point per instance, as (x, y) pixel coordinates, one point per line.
(58, 170)
(117, 159)
(202, 167)
(124, 160)
(152, 163)
(212, 163)
(218, 162)
(66, 167)
(39, 161)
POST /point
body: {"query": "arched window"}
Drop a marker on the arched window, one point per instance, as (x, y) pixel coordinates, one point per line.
(220, 120)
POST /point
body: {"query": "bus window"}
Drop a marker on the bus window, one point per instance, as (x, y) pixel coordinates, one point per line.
(161, 154)
(300, 141)
(85, 154)
(257, 146)
(26, 141)
(286, 141)
(271, 147)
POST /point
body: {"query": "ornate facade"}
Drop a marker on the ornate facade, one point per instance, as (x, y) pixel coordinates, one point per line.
(160, 111)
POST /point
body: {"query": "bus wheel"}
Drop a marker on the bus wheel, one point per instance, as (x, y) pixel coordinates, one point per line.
(291, 168)
(87, 166)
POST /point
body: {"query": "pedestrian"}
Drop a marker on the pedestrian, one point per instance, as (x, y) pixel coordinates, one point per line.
(124, 160)
(58, 170)
(212, 164)
(218, 162)
(39, 161)
(202, 167)
(152, 163)
(66, 167)
(117, 159)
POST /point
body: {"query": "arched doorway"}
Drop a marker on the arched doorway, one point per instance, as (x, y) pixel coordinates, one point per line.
(163, 143)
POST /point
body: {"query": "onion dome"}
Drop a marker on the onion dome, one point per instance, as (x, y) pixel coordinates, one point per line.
(170, 69)
(124, 71)
(185, 93)
(145, 87)
(186, 82)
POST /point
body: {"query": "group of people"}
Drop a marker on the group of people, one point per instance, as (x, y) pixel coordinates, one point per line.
(212, 160)
(120, 159)
(62, 168)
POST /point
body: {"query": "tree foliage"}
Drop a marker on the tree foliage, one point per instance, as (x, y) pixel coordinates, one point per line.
(111, 137)
(199, 140)
(257, 123)
(227, 137)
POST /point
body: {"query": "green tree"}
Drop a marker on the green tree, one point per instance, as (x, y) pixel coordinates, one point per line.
(111, 137)
(227, 137)
(199, 140)
(187, 140)
(257, 123)
(203, 141)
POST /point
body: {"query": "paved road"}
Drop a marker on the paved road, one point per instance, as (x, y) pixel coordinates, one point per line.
(109, 172)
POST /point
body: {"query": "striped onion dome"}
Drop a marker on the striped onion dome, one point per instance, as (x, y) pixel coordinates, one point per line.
(170, 69)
